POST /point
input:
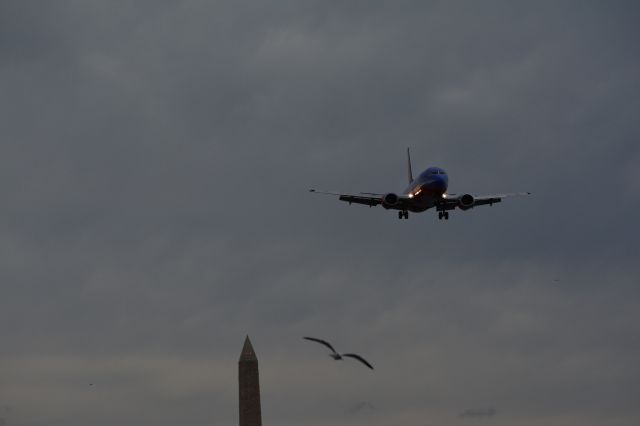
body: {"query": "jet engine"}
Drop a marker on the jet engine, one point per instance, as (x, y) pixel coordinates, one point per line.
(390, 200)
(466, 202)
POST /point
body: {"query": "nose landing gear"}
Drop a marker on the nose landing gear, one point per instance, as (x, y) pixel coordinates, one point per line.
(403, 214)
(444, 215)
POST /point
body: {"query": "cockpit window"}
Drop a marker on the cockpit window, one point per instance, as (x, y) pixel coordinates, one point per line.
(432, 171)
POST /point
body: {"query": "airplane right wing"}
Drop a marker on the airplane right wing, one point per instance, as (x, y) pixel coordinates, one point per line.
(368, 198)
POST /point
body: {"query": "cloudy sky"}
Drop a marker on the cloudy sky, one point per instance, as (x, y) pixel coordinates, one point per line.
(155, 159)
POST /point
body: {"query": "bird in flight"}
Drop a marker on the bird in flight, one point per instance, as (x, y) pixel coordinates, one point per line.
(335, 355)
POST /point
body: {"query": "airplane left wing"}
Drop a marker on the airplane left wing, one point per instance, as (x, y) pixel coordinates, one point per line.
(452, 200)
(368, 199)
(480, 200)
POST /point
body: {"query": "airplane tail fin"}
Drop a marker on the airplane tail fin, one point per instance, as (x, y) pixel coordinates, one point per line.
(410, 174)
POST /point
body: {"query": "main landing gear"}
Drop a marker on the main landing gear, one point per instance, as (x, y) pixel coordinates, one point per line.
(444, 215)
(403, 214)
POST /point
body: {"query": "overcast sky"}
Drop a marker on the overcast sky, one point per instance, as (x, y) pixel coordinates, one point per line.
(155, 158)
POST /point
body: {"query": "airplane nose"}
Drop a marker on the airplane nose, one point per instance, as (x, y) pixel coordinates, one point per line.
(439, 184)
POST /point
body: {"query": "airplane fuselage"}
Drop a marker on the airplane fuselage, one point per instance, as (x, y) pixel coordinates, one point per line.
(426, 190)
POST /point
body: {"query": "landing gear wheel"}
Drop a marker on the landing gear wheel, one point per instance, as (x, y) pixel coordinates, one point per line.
(406, 214)
(400, 214)
(439, 215)
(446, 215)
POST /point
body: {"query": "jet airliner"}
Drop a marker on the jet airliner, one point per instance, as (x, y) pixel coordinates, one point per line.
(428, 190)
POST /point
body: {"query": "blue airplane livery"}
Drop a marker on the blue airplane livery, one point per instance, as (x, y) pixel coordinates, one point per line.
(428, 190)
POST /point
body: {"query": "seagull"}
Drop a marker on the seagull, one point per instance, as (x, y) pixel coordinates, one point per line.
(335, 355)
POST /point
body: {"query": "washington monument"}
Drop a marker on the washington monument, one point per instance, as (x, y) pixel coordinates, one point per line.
(249, 382)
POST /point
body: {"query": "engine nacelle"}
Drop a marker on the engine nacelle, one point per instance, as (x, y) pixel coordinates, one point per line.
(390, 200)
(466, 202)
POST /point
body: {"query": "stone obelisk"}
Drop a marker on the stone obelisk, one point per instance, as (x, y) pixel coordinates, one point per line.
(249, 381)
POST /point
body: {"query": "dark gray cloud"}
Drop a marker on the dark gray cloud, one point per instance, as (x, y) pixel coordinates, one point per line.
(155, 160)
(360, 408)
(479, 412)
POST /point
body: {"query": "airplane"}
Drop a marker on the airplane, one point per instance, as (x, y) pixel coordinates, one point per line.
(428, 190)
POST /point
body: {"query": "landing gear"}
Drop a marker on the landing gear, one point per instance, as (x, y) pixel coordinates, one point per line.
(444, 215)
(403, 214)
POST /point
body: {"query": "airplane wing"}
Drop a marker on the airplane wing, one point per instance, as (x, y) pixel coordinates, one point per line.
(491, 199)
(367, 198)
(452, 201)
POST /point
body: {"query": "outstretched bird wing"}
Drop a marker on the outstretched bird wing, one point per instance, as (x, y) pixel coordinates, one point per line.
(327, 344)
(359, 358)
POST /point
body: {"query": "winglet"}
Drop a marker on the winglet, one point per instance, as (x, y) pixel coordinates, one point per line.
(409, 166)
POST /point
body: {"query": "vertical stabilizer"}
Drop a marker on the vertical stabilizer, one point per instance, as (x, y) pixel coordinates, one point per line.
(409, 166)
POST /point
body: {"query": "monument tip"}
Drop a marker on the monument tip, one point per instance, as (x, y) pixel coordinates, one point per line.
(248, 354)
